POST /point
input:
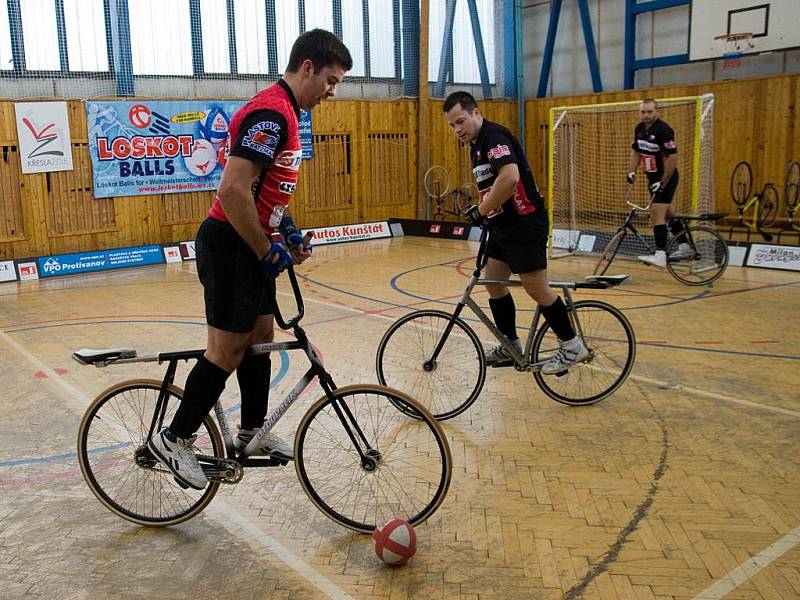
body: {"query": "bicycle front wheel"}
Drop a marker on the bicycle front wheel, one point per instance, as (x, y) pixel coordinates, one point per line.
(768, 206)
(612, 345)
(710, 256)
(446, 386)
(119, 468)
(609, 253)
(362, 461)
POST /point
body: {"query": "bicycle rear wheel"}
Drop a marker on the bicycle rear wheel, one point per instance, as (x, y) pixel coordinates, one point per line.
(741, 183)
(710, 256)
(609, 253)
(401, 468)
(119, 468)
(446, 387)
(769, 204)
(612, 343)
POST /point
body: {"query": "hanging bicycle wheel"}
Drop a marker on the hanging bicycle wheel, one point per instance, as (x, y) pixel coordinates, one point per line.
(436, 181)
(446, 386)
(609, 253)
(768, 206)
(119, 468)
(612, 343)
(362, 461)
(791, 185)
(464, 197)
(741, 182)
(709, 261)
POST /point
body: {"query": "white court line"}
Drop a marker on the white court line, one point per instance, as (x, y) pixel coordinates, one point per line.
(253, 534)
(648, 380)
(738, 576)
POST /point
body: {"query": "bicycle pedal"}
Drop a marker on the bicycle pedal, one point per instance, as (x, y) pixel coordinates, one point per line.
(500, 364)
(267, 461)
(562, 373)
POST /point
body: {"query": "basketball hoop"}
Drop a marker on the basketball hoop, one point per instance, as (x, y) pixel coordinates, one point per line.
(735, 45)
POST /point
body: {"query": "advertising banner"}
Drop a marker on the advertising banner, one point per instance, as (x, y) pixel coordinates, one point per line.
(44, 140)
(157, 147)
(349, 233)
(99, 260)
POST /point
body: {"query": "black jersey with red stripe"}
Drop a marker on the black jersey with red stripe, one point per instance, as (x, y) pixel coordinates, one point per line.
(654, 144)
(494, 147)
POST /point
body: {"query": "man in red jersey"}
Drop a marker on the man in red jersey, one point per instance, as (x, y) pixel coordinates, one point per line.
(237, 257)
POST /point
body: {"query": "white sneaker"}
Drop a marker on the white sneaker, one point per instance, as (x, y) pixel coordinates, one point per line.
(269, 444)
(569, 353)
(659, 259)
(499, 355)
(177, 455)
(683, 252)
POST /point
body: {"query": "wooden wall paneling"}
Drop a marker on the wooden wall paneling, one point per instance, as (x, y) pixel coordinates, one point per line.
(12, 223)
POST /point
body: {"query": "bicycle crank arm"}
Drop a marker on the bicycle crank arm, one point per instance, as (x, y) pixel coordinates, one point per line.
(267, 461)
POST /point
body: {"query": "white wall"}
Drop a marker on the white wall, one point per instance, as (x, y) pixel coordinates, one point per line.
(660, 33)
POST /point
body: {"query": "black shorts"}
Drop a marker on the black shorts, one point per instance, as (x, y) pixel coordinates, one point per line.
(235, 289)
(522, 244)
(665, 197)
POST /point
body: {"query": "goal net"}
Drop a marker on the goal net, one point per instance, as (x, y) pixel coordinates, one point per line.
(589, 155)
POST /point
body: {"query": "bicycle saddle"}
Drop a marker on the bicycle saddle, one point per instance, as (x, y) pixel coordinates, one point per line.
(89, 356)
(607, 280)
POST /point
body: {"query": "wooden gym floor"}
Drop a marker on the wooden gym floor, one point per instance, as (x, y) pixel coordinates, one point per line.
(684, 484)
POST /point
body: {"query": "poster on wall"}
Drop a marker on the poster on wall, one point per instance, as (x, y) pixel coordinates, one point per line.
(43, 134)
(157, 147)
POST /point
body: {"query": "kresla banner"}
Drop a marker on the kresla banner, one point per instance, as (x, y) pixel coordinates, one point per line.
(157, 147)
(43, 133)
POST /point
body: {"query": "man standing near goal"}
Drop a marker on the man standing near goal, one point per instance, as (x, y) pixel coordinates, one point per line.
(514, 210)
(654, 148)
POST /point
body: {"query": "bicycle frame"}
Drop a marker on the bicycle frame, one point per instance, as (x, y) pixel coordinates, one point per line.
(521, 363)
(316, 370)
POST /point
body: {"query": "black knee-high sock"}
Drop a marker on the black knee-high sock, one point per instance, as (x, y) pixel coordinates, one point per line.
(557, 318)
(660, 233)
(505, 315)
(676, 227)
(203, 388)
(253, 374)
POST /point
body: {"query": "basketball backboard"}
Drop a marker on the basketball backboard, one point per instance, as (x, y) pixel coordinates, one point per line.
(773, 23)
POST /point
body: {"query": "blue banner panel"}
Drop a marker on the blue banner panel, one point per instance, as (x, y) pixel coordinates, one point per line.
(157, 147)
(99, 260)
(306, 137)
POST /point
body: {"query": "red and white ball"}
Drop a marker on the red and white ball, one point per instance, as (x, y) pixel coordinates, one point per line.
(395, 542)
(203, 159)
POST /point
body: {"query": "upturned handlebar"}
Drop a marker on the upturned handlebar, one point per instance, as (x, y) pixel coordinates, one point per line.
(298, 297)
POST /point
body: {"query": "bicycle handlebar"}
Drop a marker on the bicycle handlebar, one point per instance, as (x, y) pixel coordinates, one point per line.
(298, 298)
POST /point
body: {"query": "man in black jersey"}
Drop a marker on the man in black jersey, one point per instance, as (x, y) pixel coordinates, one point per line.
(513, 209)
(243, 245)
(654, 148)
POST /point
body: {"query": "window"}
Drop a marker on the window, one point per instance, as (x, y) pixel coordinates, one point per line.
(465, 59)
(216, 50)
(160, 37)
(85, 22)
(251, 36)
(381, 38)
(353, 34)
(40, 34)
(6, 58)
(287, 15)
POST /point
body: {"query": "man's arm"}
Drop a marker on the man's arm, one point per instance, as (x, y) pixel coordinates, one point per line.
(634, 161)
(236, 195)
(505, 185)
(670, 164)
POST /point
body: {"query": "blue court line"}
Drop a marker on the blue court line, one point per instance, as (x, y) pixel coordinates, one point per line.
(274, 382)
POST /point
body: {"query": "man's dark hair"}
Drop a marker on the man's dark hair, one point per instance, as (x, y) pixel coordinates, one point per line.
(465, 99)
(650, 101)
(322, 48)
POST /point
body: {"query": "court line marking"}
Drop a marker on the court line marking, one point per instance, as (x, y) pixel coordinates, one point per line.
(648, 380)
(79, 401)
(738, 576)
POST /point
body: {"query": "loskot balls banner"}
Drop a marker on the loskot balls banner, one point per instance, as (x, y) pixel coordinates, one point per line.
(157, 147)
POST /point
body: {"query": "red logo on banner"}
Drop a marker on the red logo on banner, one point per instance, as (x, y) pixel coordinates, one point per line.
(435, 228)
(458, 231)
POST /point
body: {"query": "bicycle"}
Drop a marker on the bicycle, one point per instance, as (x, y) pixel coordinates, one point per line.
(791, 197)
(452, 203)
(765, 203)
(439, 358)
(709, 251)
(360, 461)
